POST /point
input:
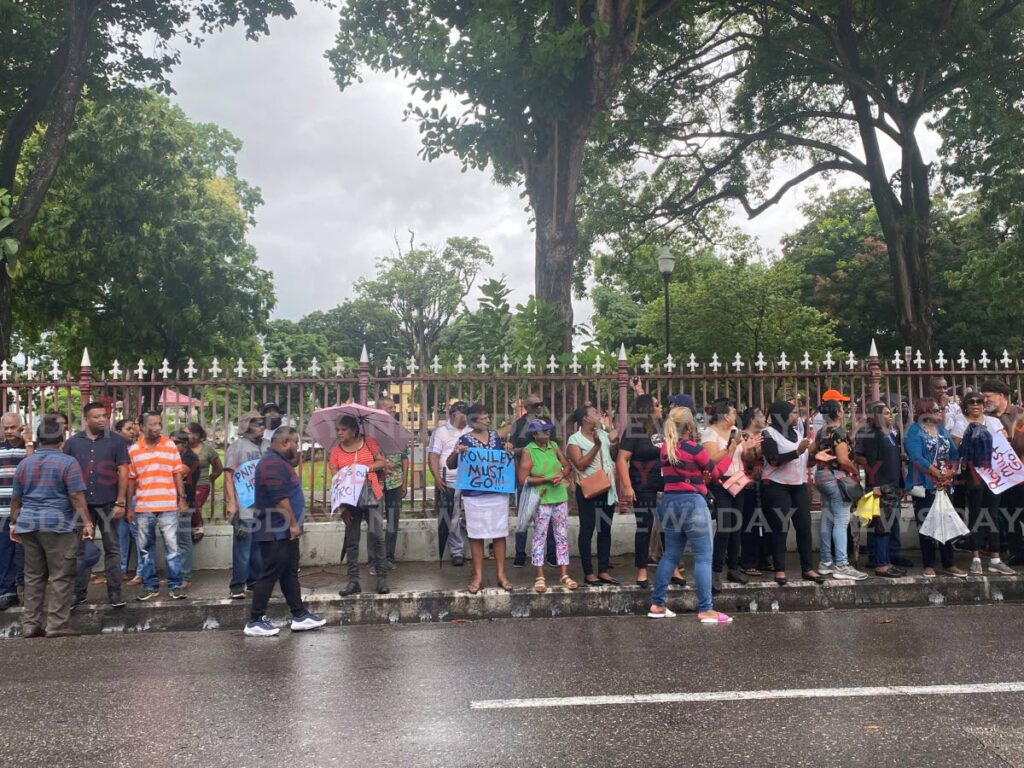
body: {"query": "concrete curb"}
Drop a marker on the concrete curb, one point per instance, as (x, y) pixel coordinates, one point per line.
(492, 603)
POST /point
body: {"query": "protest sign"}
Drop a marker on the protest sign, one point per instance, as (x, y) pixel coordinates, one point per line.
(486, 470)
(245, 484)
(347, 486)
(1006, 470)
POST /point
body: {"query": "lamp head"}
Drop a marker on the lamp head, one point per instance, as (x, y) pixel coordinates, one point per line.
(666, 261)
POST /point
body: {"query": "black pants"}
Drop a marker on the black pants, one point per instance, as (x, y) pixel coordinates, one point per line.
(103, 518)
(728, 530)
(1012, 504)
(755, 539)
(928, 544)
(643, 510)
(594, 513)
(354, 517)
(983, 518)
(393, 504)
(782, 503)
(280, 565)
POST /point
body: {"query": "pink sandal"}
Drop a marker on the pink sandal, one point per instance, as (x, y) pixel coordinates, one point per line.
(720, 619)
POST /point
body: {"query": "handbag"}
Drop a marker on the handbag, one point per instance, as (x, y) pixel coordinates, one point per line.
(738, 480)
(851, 490)
(594, 485)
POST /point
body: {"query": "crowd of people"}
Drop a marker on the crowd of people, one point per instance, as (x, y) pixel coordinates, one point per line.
(728, 482)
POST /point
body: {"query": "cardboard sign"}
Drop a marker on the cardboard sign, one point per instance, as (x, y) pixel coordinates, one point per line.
(347, 486)
(245, 484)
(1006, 470)
(487, 471)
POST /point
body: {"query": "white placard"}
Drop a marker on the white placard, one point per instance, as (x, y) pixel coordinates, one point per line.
(347, 486)
(1006, 470)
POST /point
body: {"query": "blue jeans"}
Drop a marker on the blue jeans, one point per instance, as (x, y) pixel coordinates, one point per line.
(127, 533)
(167, 523)
(246, 562)
(185, 545)
(685, 516)
(835, 517)
(883, 525)
(12, 561)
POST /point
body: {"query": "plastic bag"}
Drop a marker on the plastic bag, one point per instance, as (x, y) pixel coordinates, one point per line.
(943, 522)
(529, 500)
(868, 508)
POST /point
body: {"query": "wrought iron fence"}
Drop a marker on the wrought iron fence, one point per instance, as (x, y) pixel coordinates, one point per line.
(216, 396)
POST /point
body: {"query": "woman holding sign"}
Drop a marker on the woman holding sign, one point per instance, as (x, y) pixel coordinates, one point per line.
(486, 511)
(361, 458)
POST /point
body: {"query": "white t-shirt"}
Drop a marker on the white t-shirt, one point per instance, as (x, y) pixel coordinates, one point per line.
(994, 425)
(954, 418)
(710, 436)
(442, 443)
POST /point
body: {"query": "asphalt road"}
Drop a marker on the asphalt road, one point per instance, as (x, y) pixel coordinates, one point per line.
(411, 695)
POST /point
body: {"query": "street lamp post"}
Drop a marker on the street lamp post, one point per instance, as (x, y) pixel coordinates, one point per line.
(667, 263)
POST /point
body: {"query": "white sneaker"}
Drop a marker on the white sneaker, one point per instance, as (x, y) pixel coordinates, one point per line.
(306, 622)
(848, 573)
(666, 615)
(826, 568)
(261, 628)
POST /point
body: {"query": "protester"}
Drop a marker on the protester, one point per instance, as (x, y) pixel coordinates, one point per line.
(832, 463)
(442, 444)
(784, 489)
(1011, 501)
(156, 483)
(519, 434)
(272, 418)
(975, 435)
(103, 459)
(48, 517)
(542, 465)
(756, 542)
(191, 463)
(210, 468)
(280, 507)
(486, 512)
(128, 531)
(829, 396)
(355, 449)
(245, 553)
(395, 487)
(684, 514)
(592, 449)
(720, 440)
(931, 458)
(878, 452)
(13, 450)
(639, 474)
(939, 391)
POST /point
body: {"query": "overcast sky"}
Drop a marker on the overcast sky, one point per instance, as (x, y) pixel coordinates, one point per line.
(340, 173)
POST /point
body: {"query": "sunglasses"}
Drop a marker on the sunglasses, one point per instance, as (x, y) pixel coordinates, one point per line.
(974, 401)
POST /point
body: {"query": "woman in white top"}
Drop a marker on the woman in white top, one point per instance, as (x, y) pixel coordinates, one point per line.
(592, 448)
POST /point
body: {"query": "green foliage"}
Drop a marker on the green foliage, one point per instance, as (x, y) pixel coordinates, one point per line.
(536, 330)
(8, 245)
(141, 249)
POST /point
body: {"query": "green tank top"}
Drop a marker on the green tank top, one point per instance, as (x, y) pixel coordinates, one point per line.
(546, 464)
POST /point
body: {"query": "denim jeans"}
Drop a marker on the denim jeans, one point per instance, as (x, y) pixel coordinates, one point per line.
(393, 503)
(12, 561)
(246, 562)
(888, 518)
(167, 523)
(685, 517)
(835, 517)
(127, 535)
(185, 545)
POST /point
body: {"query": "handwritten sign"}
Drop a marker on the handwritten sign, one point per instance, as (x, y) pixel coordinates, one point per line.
(486, 470)
(1006, 470)
(245, 484)
(347, 486)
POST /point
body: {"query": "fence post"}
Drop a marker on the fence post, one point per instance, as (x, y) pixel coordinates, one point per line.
(874, 373)
(623, 391)
(85, 377)
(364, 376)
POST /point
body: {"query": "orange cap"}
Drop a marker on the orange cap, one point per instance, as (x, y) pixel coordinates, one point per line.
(835, 394)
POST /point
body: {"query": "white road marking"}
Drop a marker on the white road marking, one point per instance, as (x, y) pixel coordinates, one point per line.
(783, 693)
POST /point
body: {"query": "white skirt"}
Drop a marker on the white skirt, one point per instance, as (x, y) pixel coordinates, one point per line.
(486, 515)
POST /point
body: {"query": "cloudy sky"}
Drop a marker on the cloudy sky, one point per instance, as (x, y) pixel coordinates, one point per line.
(340, 173)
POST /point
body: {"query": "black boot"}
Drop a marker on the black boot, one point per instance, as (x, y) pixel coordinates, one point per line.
(352, 588)
(382, 585)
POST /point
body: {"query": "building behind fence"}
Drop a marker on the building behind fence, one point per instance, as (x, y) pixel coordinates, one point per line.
(216, 396)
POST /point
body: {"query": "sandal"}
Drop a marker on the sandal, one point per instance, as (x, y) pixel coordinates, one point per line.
(567, 582)
(539, 585)
(474, 588)
(507, 585)
(752, 572)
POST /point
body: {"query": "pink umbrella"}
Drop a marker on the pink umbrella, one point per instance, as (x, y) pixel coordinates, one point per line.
(381, 426)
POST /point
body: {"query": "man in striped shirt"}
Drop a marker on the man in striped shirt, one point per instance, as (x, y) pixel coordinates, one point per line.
(156, 482)
(13, 449)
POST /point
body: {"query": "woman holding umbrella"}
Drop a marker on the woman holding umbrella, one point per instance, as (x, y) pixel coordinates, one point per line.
(486, 512)
(354, 448)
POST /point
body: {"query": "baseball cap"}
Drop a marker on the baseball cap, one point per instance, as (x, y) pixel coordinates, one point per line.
(459, 406)
(536, 425)
(683, 400)
(834, 394)
(269, 407)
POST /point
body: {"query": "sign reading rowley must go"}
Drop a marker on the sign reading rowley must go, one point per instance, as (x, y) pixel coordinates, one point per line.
(487, 471)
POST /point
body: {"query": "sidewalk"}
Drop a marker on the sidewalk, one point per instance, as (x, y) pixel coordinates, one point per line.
(427, 592)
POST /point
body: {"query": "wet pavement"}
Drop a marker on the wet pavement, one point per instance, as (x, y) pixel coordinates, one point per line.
(401, 695)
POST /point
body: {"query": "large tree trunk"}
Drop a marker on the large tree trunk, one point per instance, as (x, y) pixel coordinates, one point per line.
(66, 95)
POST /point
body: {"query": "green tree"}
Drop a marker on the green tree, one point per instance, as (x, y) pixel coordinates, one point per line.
(53, 49)
(424, 288)
(483, 331)
(141, 248)
(534, 79)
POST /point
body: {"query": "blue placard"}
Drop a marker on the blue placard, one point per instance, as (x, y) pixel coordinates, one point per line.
(486, 471)
(245, 484)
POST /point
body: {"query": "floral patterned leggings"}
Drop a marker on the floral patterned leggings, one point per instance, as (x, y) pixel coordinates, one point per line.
(558, 516)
